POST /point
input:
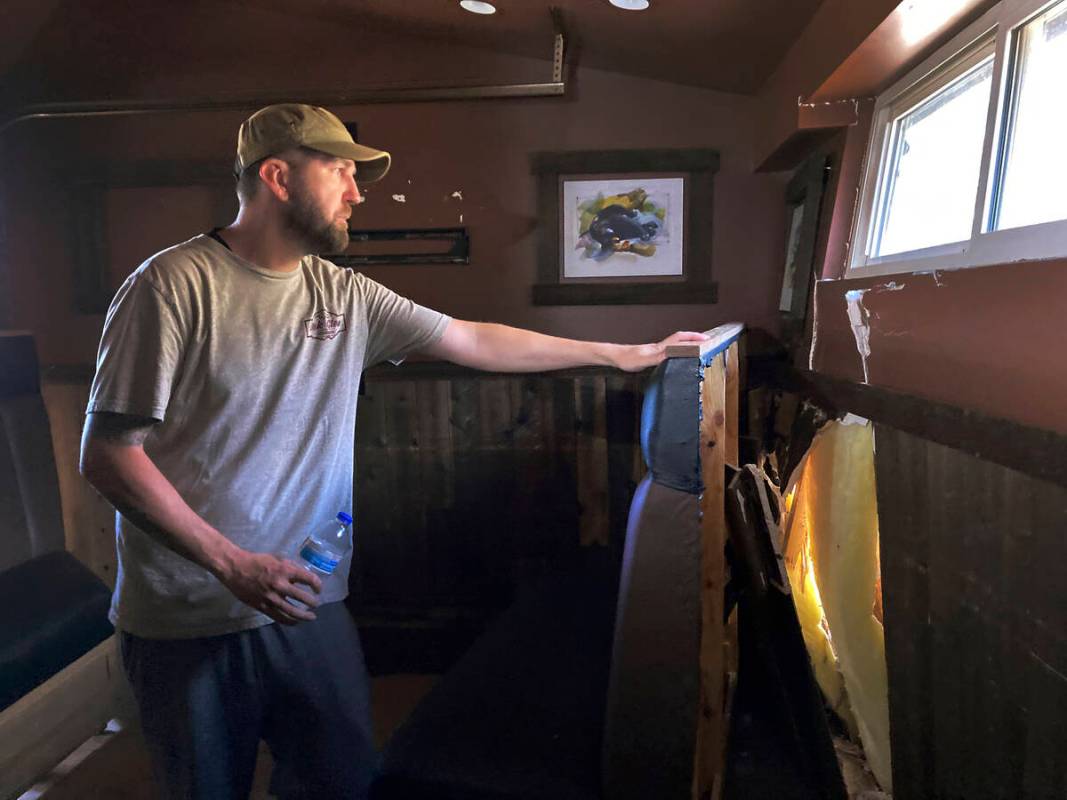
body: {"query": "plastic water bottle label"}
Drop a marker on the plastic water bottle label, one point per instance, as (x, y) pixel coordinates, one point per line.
(323, 562)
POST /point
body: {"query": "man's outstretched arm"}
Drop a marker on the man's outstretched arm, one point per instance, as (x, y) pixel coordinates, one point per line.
(113, 460)
(499, 348)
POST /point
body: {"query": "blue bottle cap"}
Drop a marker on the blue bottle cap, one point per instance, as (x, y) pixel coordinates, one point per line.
(345, 518)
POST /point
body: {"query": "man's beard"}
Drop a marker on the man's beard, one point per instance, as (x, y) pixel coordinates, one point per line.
(309, 225)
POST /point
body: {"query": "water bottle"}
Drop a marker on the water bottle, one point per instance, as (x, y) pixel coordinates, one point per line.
(324, 549)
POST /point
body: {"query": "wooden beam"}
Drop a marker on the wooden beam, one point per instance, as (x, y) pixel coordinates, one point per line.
(733, 381)
(732, 643)
(710, 753)
(836, 29)
(1037, 452)
(719, 339)
(901, 40)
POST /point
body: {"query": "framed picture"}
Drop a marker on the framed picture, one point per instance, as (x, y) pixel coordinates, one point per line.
(629, 226)
(105, 201)
(803, 205)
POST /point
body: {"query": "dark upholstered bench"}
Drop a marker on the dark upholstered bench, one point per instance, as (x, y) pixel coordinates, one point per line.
(522, 714)
(56, 613)
(588, 687)
(59, 675)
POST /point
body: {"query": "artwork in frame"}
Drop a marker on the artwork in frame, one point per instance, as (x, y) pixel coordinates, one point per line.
(630, 226)
(803, 205)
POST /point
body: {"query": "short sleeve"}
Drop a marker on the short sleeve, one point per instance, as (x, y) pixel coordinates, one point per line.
(140, 352)
(397, 326)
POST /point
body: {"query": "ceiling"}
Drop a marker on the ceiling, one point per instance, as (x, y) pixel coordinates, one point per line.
(56, 50)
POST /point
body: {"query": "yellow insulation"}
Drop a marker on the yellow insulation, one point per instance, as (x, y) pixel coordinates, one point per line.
(831, 551)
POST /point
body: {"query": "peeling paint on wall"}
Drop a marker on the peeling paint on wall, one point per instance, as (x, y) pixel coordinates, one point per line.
(400, 198)
(935, 274)
(892, 286)
(859, 318)
(814, 332)
(853, 102)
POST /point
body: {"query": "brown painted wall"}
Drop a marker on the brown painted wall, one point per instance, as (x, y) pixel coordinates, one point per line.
(479, 148)
(985, 338)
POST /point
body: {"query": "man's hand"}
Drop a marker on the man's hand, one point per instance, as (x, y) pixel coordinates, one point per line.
(264, 581)
(114, 461)
(636, 357)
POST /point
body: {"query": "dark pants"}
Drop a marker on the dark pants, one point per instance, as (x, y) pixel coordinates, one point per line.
(206, 703)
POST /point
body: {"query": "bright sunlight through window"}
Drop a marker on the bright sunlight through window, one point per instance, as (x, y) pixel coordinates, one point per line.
(933, 175)
(1034, 185)
(967, 163)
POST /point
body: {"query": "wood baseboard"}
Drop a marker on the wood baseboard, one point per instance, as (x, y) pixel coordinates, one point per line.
(39, 730)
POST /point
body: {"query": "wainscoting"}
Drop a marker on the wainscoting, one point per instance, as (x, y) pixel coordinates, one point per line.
(972, 514)
(466, 483)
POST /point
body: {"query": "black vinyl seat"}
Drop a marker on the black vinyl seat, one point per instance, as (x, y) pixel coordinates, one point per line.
(588, 686)
(521, 715)
(55, 608)
(56, 612)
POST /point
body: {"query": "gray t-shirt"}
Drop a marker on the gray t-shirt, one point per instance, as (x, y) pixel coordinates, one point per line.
(254, 375)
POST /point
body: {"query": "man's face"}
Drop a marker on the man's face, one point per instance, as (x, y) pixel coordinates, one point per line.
(322, 191)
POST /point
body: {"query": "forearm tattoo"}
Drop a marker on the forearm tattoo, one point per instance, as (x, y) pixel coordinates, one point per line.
(131, 430)
(125, 429)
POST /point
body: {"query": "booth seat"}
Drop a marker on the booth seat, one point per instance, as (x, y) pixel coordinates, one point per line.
(60, 680)
(588, 686)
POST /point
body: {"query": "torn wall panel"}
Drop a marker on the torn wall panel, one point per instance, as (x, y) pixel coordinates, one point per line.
(832, 557)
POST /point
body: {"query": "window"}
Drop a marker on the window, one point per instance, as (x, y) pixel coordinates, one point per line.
(1033, 188)
(967, 163)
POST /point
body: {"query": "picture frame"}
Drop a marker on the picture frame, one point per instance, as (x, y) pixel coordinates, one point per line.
(803, 204)
(625, 226)
(101, 263)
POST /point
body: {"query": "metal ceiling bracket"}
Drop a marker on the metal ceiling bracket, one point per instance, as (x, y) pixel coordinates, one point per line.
(557, 49)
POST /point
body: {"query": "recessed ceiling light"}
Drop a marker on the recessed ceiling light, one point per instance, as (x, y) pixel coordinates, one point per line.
(478, 7)
(630, 5)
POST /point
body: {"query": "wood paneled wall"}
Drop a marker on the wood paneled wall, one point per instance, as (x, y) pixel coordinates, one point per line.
(464, 480)
(88, 519)
(974, 580)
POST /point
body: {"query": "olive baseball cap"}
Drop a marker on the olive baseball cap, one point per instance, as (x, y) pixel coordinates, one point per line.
(280, 127)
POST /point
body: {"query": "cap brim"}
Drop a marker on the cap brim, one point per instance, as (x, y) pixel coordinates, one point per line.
(371, 164)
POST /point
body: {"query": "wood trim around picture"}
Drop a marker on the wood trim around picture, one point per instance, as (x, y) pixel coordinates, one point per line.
(691, 283)
(87, 190)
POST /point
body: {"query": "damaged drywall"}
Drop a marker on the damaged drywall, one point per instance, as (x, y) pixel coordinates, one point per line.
(831, 553)
(859, 318)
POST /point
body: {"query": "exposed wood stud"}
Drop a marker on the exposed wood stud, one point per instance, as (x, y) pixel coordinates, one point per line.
(710, 753)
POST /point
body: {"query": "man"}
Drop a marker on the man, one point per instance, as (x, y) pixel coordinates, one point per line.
(220, 425)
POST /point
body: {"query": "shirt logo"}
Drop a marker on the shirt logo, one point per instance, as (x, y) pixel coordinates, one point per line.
(324, 325)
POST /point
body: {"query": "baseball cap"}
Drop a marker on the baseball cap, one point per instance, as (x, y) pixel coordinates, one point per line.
(279, 127)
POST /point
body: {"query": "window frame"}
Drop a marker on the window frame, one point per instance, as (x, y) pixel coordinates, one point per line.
(1046, 240)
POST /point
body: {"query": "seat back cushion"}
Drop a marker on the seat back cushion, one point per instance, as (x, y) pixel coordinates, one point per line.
(31, 519)
(653, 690)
